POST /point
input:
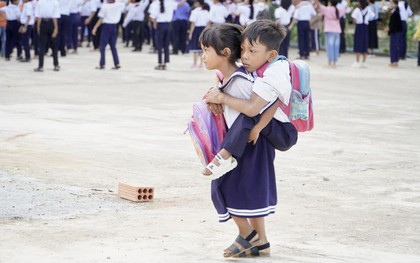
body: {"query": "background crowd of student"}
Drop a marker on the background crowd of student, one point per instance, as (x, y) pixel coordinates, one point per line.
(178, 23)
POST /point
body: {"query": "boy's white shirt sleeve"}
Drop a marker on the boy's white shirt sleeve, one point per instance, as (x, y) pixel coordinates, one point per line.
(275, 83)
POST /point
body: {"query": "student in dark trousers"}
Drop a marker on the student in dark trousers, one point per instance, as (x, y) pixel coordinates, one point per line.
(405, 13)
(27, 21)
(109, 17)
(395, 29)
(161, 13)
(343, 4)
(11, 12)
(180, 28)
(63, 26)
(85, 13)
(74, 21)
(302, 15)
(47, 14)
(135, 17)
(92, 20)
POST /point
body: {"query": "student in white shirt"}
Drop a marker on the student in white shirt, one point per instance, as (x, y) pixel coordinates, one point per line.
(95, 6)
(284, 15)
(405, 12)
(218, 12)
(302, 15)
(27, 21)
(161, 13)
(246, 12)
(47, 14)
(109, 16)
(136, 16)
(74, 21)
(199, 18)
(11, 12)
(64, 26)
(85, 12)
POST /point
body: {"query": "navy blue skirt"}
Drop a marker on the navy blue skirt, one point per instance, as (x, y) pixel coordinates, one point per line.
(194, 43)
(249, 190)
(361, 38)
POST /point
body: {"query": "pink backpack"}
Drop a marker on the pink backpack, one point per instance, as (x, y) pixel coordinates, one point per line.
(207, 132)
(299, 110)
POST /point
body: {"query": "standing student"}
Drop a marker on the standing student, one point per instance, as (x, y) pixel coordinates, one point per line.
(180, 28)
(416, 37)
(302, 15)
(246, 12)
(64, 26)
(395, 29)
(12, 13)
(316, 26)
(343, 20)
(47, 14)
(95, 6)
(284, 15)
(3, 23)
(246, 194)
(136, 16)
(373, 29)
(84, 14)
(109, 16)
(405, 13)
(161, 13)
(27, 21)
(218, 12)
(332, 29)
(74, 23)
(199, 18)
(361, 16)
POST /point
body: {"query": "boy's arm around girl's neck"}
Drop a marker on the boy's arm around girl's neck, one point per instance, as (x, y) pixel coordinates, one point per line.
(250, 108)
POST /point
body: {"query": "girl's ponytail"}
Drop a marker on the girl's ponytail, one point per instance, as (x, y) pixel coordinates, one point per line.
(162, 7)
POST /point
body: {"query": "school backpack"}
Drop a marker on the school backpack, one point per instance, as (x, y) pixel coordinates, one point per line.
(300, 109)
(207, 130)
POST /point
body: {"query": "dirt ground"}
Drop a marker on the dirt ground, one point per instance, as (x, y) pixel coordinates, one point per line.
(349, 191)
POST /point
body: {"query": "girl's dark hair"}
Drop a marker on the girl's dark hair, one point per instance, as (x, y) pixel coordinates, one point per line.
(223, 36)
(285, 4)
(162, 7)
(266, 32)
(205, 6)
(251, 8)
(363, 4)
(335, 3)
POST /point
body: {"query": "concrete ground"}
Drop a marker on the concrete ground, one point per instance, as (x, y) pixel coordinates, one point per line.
(349, 191)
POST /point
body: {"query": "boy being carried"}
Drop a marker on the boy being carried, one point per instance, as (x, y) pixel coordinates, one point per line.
(260, 44)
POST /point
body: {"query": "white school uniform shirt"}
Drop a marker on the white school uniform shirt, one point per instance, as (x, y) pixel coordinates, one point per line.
(12, 12)
(65, 7)
(239, 88)
(199, 16)
(28, 12)
(304, 11)
(75, 6)
(111, 12)
(95, 5)
(358, 14)
(244, 10)
(275, 84)
(165, 17)
(86, 9)
(404, 12)
(284, 16)
(47, 9)
(136, 13)
(344, 4)
(218, 13)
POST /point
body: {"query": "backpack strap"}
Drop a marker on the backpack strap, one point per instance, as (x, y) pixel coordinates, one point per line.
(241, 72)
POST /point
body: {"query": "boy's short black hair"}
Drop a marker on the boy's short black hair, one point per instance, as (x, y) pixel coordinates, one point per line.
(266, 32)
(223, 36)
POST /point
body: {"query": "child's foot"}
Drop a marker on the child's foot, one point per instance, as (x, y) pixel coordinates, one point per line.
(219, 166)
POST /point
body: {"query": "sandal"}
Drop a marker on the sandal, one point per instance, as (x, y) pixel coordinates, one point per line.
(258, 251)
(224, 166)
(242, 245)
